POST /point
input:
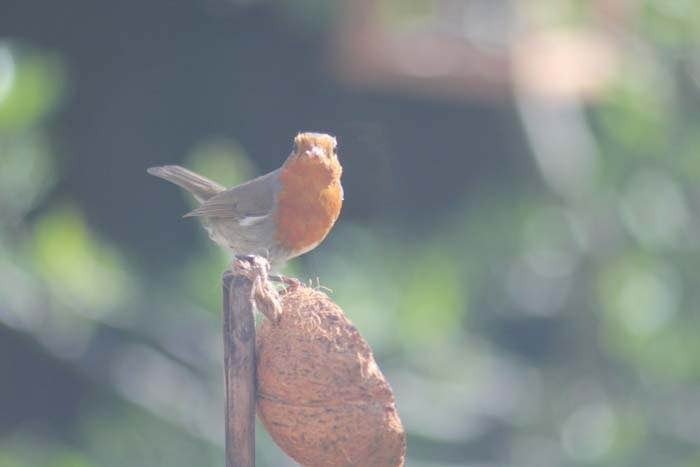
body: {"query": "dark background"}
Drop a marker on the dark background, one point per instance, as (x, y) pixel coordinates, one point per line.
(522, 262)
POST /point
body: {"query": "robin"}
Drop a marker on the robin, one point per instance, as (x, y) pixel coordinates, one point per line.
(280, 215)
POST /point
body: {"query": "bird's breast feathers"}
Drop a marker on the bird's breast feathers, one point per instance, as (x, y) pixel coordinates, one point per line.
(308, 205)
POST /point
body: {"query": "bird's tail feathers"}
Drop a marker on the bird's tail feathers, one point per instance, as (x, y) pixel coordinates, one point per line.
(201, 188)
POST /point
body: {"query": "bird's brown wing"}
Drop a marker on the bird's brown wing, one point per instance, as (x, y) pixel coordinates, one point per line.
(251, 199)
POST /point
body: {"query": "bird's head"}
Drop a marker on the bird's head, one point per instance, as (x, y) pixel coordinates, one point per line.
(316, 146)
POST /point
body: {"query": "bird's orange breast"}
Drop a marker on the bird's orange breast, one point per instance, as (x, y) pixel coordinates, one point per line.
(308, 203)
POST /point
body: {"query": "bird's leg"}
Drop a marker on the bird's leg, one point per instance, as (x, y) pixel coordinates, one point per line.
(266, 298)
(287, 282)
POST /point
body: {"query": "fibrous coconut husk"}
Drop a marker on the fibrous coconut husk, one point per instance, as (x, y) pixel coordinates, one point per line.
(321, 395)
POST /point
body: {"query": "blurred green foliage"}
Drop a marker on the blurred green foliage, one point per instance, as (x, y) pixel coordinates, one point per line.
(32, 88)
(81, 271)
(568, 323)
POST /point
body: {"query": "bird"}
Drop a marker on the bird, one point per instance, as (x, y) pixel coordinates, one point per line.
(279, 215)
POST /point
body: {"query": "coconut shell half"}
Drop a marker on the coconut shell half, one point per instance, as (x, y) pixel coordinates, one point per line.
(321, 395)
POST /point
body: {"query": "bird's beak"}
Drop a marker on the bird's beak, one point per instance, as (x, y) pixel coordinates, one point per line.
(316, 151)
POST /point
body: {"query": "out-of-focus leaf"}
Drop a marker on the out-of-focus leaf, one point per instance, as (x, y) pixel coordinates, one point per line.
(640, 296)
(27, 172)
(200, 278)
(688, 165)
(674, 23)
(642, 318)
(222, 160)
(432, 297)
(36, 88)
(636, 116)
(81, 269)
(70, 459)
(106, 431)
(24, 449)
(654, 209)
(406, 11)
